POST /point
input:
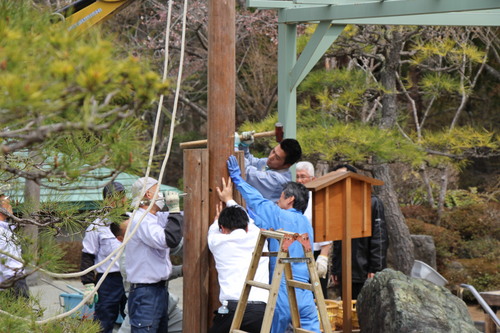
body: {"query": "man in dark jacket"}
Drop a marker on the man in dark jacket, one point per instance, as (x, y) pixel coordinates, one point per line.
(368, 253)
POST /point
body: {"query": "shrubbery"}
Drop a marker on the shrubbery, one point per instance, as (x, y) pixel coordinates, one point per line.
(467, 243)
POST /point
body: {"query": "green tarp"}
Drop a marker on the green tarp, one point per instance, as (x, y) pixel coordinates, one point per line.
(90, 190)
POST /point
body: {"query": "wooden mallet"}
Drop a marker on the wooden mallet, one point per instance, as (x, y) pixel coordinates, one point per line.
(278, 132)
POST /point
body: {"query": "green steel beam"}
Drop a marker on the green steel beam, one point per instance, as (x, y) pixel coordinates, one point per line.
(263, 4)
(287, 97)
(388, 8)
(323, 37)
(483, 18)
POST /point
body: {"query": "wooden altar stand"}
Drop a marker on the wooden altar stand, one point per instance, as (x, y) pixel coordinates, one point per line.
(342, 211)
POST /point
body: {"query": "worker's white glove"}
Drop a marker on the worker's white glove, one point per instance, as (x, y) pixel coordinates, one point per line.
(236, 141)
(172, 200)
(322, 266)
(247, 138)
(88, 288)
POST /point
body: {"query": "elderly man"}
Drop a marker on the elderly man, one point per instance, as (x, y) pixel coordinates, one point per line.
(11, 270)
(268, 175)
(286, 214)
(148, 263)
(304, 174)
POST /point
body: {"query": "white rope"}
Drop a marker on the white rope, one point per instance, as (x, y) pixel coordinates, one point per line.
(151, 154)
(129, 235)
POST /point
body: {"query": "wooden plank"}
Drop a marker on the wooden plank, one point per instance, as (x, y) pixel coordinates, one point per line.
(334, 177)
(221, 110)
(301, 285)
(259, 285)
(292, 297)
(492, 298)
(318, 293)
(329, 214)
(346, 258)
(195, 266)
(365, 207)
(249, 282)
(273, 292)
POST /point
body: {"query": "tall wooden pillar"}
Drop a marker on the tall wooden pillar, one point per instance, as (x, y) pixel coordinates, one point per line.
(201, 288)
(195, 252)
(221, 109)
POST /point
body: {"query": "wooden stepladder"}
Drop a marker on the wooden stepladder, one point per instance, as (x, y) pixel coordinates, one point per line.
(283, 265)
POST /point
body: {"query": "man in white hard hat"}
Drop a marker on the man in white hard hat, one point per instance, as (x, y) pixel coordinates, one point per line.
(148, 263)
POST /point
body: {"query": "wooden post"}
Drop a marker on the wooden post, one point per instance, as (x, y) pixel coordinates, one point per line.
(221, 112)
(195, 253)
(346, 259)
(32, 202)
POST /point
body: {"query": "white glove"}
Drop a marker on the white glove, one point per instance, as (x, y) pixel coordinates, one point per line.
(172, 200)
(322, 266)
(236, 140)
(89, 288)
(247, 138)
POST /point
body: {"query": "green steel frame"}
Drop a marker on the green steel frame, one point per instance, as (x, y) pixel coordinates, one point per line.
(333, 15)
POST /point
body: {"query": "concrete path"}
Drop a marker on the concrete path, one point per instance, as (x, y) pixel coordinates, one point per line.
(50, 292)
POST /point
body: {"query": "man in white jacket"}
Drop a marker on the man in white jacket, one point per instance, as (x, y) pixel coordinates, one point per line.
(232, 239)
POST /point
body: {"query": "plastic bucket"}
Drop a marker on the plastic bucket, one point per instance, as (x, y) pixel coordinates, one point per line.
(70, 301)
(421, 270)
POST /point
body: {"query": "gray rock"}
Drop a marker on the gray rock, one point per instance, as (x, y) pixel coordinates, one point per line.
(424, 249)
(456, 266)
(393, 302)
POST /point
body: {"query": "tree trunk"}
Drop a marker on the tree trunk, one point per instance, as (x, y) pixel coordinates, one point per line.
(427, 182)
(442, 194)
(400, 253)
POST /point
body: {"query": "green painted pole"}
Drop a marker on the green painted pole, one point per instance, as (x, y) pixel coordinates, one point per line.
(323, 37)
(287, 96)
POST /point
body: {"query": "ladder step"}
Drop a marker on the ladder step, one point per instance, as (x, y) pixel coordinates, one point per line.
(301, 330)
(269, 254)
(294, 260)
(238, 331)
(259, 284)
(301, 285)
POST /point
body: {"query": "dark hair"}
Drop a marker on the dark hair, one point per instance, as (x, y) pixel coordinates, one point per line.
(112, 189)
(292, 149)
(347, 166)
(115, 229)
(233, 217)
(301, 194)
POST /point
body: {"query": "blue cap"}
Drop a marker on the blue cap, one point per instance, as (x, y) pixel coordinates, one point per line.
(112, 188)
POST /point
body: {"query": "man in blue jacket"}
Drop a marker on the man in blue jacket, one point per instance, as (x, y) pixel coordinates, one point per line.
(286, 214)
(268, 175)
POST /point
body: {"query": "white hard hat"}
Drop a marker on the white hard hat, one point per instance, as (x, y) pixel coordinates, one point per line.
(144, 182)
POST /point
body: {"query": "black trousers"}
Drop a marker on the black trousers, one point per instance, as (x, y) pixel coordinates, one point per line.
(356, 289)
(252, 319)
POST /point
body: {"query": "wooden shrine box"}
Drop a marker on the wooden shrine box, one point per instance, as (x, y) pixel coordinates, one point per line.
(340, 198)
(342, 211)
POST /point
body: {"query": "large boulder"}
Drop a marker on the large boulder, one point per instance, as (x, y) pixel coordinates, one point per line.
(394, 302)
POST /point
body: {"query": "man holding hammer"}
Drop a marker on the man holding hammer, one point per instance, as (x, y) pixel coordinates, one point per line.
(268, 175)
